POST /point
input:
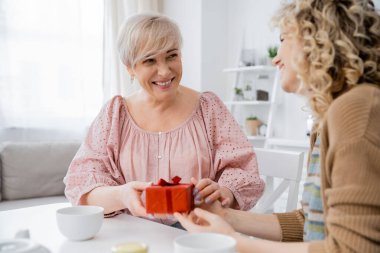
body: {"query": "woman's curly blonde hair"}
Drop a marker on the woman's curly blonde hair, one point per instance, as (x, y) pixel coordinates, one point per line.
(341, 46)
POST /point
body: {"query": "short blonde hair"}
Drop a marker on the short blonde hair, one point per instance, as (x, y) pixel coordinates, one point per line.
(147, 34)
(341, 46)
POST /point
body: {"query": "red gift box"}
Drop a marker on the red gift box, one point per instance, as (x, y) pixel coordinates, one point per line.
(167, 198)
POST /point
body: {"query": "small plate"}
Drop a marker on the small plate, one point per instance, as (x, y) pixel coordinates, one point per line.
(21, 246)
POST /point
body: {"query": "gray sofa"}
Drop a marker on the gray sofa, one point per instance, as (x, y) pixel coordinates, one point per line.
(31, 173)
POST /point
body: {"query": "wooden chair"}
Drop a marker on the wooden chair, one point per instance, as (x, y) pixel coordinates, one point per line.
(285, 165)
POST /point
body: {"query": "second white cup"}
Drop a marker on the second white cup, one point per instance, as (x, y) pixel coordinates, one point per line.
(204, 243)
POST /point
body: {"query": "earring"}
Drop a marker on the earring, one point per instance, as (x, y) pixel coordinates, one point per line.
(132, 79)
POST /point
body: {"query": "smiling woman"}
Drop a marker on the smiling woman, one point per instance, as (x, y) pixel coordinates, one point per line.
(51, 63)
(329, 52)
(162, 131)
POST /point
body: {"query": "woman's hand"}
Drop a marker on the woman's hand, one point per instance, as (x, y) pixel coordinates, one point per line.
(209, 191)
(215, 208)
(203, 221)
(131, 197)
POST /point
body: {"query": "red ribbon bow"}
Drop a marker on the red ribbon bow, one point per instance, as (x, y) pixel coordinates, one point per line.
(175, 181)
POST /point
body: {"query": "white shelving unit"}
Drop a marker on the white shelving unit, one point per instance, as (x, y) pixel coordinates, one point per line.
(260, 68)
(261, 77)
(268, 112)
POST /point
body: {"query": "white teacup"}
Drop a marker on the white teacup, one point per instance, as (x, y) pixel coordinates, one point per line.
(204, 243)
(80, 223)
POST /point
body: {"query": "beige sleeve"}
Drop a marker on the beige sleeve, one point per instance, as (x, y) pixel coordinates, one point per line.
(291, 225)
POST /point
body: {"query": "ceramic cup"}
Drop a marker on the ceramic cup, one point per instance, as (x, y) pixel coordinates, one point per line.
(79, 223)
(204, 243)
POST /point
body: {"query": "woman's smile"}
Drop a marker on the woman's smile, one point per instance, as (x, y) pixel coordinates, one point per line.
(164, 84)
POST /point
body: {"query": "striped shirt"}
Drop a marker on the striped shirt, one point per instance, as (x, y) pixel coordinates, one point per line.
(311, 198)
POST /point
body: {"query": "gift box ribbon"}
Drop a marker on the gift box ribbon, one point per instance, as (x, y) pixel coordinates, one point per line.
(175, 181)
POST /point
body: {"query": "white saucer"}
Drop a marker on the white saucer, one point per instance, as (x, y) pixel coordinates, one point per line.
(21, 246)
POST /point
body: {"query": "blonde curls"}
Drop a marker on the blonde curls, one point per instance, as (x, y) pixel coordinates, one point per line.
(341, 46)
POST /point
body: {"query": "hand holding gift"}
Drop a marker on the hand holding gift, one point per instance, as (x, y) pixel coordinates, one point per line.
(208, 191)
(167, 198)
(131, 197)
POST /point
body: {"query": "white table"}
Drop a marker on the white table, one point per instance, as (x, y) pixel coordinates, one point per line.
(41, 222)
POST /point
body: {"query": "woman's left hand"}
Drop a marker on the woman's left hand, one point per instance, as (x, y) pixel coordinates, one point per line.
(201, 220)
(209, 191)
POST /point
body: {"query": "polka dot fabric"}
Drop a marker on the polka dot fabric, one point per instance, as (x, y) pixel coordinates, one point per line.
(232, 153)
(209, 144)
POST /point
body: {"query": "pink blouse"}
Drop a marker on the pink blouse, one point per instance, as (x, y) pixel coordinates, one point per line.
(209, 144)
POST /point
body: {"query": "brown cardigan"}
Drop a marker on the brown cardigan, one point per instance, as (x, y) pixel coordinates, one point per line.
(350, 176)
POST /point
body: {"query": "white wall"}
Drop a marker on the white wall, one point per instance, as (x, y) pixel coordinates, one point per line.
(214, 44)
(248, 27)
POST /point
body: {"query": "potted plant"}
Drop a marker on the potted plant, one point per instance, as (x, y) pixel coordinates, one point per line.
(252, 124)
(238, 94)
